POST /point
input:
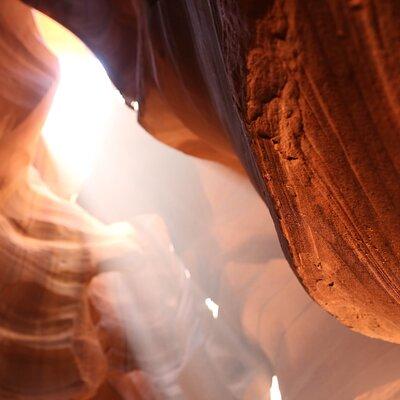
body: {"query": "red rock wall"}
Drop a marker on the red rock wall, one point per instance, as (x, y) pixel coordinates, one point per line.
(323, 117)
(314, 121)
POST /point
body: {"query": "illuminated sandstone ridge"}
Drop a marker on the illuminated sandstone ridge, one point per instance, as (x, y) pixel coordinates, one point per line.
(44, 263)
(63, 334)
(308, 95)
(49, 248)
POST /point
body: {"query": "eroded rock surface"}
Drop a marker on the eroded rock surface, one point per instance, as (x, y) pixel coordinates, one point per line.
(323, 117)
(52, 340)
(307, 95)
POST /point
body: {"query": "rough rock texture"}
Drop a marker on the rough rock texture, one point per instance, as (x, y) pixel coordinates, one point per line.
(231, 249)
(324, 118)
(320, 101)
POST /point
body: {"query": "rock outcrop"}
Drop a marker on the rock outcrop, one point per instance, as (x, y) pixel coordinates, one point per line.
(307, 96)
(323, 114)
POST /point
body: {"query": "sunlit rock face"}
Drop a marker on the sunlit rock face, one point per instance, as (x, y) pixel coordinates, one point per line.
(89, 310)
(44, 313)
(50, 249)
(306, 95)
(61, 335)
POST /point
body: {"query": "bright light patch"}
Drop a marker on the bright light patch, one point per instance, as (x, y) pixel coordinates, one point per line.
(135, 105)
(121, 229)
(274, 392)
(74, 197)
(76, 124)
(213, 307)
(81, 113)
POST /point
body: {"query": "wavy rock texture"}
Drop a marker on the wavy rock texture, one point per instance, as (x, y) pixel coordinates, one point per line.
(315, 125)
(307, 95)
(89, 311)
(61, 336)
(44, 263)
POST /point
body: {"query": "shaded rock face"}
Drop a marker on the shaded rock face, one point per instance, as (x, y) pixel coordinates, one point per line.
(173, 60)
(306, 94)
(323, 114)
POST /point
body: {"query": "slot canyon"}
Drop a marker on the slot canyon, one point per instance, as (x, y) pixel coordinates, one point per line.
(200, 199)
